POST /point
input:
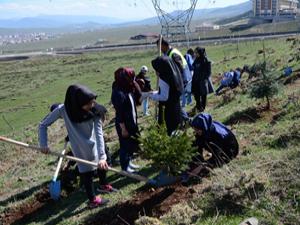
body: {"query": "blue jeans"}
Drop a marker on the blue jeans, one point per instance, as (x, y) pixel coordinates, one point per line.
(127, 147)
(145, 106)
(220, 88)
(186, 99)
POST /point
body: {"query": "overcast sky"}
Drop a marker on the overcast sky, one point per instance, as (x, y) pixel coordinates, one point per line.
(124, 9)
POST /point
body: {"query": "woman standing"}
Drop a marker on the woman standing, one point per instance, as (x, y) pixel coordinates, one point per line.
(201, 83)
(82, 117)
(170, 90)
(125, 94)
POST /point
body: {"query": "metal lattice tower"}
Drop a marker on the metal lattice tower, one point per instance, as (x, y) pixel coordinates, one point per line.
(176, 24)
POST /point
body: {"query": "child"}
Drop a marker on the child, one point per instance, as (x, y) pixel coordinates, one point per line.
(82, 119)
(71, 175)
(215, 138)
(125, 94)
(187, 96)
(144, 82)
(230, 79)
(225, 82)
(201, 81)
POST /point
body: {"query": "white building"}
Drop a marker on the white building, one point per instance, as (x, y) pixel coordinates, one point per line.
(271, 9)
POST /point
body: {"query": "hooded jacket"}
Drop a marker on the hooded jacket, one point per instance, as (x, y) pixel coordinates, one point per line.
(84, 128)
(77, 96)
(216, 133)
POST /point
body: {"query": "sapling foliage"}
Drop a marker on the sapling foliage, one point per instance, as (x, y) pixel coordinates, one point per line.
(170, 153)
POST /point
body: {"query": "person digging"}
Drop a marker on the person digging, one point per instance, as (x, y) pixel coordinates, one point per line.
(214, 139)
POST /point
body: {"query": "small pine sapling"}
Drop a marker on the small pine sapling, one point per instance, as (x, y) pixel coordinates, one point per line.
(265, 86)
(169, 153)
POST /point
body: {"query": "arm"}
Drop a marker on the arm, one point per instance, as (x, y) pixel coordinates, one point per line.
(164, 92)
(102, 164)
(118, 100)
(99, 139)
(43, 126)
(208, 72)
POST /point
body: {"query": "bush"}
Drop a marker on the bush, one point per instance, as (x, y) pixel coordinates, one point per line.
(172, 153)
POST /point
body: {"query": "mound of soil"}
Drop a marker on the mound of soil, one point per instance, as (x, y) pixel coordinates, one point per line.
(14, 214)
(151, 202)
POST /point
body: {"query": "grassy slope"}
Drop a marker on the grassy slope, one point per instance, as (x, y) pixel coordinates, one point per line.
(29, 87)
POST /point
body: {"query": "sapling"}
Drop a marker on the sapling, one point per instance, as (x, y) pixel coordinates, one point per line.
(169, 153)
(265, 86)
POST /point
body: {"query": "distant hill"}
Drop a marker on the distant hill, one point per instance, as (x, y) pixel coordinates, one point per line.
(203, 14)
(56, 21)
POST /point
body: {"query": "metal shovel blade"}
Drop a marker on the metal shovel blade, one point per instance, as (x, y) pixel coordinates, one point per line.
(163, 179)
(55, 189)
(54, 186)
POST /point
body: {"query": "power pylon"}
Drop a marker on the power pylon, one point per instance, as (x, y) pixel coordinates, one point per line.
(176, 24)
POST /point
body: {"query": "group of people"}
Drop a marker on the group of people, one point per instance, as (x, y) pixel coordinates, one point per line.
(83, 116)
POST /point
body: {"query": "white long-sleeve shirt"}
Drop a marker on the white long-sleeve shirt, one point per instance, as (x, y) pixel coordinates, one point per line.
(163, 93)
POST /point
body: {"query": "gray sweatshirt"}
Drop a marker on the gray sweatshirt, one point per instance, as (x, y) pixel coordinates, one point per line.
(86, 138)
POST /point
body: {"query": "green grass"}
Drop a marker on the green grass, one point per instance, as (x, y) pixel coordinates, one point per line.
(262, 182)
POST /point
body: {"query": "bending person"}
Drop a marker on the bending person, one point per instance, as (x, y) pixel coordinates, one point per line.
(215, 138)
(82, 117)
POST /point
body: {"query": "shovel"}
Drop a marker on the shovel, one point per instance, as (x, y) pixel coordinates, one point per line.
(72, 158)
(54, 186)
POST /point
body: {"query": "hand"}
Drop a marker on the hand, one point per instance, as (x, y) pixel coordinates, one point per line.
(102, 165)
(45, 150)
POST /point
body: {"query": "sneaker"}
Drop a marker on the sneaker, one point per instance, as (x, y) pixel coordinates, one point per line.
(133, 166)
(105, 189)
(97, 201)
(130, 170)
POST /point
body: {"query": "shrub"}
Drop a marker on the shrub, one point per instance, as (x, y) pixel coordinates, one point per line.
(172, 153)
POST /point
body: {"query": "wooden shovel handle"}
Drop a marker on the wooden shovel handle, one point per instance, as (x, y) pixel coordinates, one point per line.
(72, 158)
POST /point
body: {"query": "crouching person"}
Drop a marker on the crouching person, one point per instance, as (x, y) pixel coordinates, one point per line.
(216, 139)
(82, 119)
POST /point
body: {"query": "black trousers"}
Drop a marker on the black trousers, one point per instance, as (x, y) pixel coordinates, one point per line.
(171, 114)
(220, 155)
(87, 180)
(200, 101)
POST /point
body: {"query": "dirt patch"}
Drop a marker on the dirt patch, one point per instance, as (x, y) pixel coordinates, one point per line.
(14, 214)
(152, 203)
(249, 115)
(292, 78)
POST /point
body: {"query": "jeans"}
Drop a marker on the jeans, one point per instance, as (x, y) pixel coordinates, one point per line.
(186, 97)
(127, 147)
(220, 88)
(145, 106)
